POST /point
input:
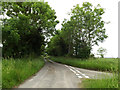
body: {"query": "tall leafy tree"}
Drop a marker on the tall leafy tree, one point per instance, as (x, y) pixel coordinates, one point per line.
(32, 21)
(86, 27)
(40, 14)
(67, 35)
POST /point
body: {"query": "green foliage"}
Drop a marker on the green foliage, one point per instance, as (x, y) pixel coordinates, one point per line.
(101, 64)
(85, 28)
(24, 33)
(16, 71)
(101, 51)
(40, 14)
(57, 46)
(83, 51)
(10, 37)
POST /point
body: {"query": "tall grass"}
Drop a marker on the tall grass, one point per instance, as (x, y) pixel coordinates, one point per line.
(109, 82)
(16, 71)
(100, 64)
(119, 72)
(0, 73)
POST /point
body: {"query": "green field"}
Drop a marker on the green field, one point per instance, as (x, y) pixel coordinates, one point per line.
(99, 64)
(16, 71)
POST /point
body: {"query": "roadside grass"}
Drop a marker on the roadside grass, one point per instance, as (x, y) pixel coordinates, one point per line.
(99, 64)
(119, 73)
(0, 73)
(109, 82)
(16, 71)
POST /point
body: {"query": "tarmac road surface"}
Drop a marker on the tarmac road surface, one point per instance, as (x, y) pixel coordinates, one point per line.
(55, 75)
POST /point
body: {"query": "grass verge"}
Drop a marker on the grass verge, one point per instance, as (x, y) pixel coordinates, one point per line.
(99, 64)
(16, 71)
(0, 73)
(101, 83)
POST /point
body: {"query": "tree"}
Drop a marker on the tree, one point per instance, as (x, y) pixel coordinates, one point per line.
(32, 21)
(101, 51)
(10, 38)
(84, 27)
(57, 46)
(40, 14)
(67, 35)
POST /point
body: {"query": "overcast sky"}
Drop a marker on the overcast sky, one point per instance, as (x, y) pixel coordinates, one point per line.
(63, 7)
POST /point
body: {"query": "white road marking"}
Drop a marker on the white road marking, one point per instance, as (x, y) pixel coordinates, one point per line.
(77, 72)
(30, 79)
(79, 76)
(72, 69)
(82, 74)
(66, 65)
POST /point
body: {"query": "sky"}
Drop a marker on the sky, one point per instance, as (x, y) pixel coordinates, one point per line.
(63, 7)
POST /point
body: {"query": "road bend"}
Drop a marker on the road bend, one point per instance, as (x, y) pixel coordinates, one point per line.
(55, 75)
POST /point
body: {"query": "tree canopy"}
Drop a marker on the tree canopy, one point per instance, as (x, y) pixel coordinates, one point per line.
(29, 24)
(32, 24)
(84, 29)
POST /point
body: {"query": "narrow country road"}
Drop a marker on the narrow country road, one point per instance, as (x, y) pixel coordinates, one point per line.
(55, 75)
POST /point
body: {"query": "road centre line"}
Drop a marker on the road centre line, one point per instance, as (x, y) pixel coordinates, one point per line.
(72, 70)
(30, 79)
(77, 74)
(81, 73)
(66, 66)
(77, 71)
